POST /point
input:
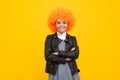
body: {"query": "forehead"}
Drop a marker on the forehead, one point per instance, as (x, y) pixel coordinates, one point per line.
(61, 20)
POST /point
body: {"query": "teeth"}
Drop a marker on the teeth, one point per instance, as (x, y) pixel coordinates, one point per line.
(61, 28)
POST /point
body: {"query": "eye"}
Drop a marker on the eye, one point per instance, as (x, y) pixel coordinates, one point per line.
(57, 22)
(64, 22)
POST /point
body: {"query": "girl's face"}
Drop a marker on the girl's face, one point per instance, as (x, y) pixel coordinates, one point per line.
(61, 25)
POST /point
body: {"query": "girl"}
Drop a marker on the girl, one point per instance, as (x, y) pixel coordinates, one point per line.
(61, 49)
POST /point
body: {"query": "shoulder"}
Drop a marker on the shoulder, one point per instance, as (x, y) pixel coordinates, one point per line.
(49, 36)
(71, 36)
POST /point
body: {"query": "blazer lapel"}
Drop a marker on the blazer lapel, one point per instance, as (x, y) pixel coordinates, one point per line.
(56, 41)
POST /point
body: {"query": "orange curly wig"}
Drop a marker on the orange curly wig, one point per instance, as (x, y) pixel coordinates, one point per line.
(61, 13)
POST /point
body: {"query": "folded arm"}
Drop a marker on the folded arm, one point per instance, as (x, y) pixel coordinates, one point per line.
(48, 52)
(73, 54)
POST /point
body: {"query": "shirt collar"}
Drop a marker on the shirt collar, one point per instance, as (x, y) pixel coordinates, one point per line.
(61, 36)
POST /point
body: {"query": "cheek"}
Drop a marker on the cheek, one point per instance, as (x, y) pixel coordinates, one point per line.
(66, 25)
(57, 26)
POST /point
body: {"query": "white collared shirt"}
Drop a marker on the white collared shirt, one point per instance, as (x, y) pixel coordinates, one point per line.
(61, 36)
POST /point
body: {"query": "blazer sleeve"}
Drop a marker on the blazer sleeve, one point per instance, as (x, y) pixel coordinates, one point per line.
(71, 54)
(48, 52)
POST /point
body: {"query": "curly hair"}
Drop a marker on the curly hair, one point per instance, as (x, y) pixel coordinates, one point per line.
(61, 13)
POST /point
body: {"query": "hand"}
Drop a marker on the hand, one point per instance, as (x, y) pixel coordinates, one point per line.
(68, 59)
(73, 49)
(55, 53)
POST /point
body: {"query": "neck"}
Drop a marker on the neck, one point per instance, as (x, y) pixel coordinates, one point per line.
(61, 32)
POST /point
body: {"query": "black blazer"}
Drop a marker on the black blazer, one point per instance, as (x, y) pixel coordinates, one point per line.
(52, 61)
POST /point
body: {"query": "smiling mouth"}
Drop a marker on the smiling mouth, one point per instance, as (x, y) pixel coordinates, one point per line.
(62, 28)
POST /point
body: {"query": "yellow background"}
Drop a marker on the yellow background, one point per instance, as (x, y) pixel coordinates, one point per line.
(23, 28)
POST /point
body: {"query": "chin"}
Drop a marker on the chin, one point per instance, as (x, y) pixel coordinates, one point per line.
(61, 31)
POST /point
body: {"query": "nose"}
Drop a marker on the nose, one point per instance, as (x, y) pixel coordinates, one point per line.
(62, 24)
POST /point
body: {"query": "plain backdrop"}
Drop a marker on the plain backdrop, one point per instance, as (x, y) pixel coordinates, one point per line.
(23, 29)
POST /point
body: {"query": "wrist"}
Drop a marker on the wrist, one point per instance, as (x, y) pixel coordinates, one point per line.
(60, 52)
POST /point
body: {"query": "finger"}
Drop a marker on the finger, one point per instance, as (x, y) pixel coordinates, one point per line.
(73, 49)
